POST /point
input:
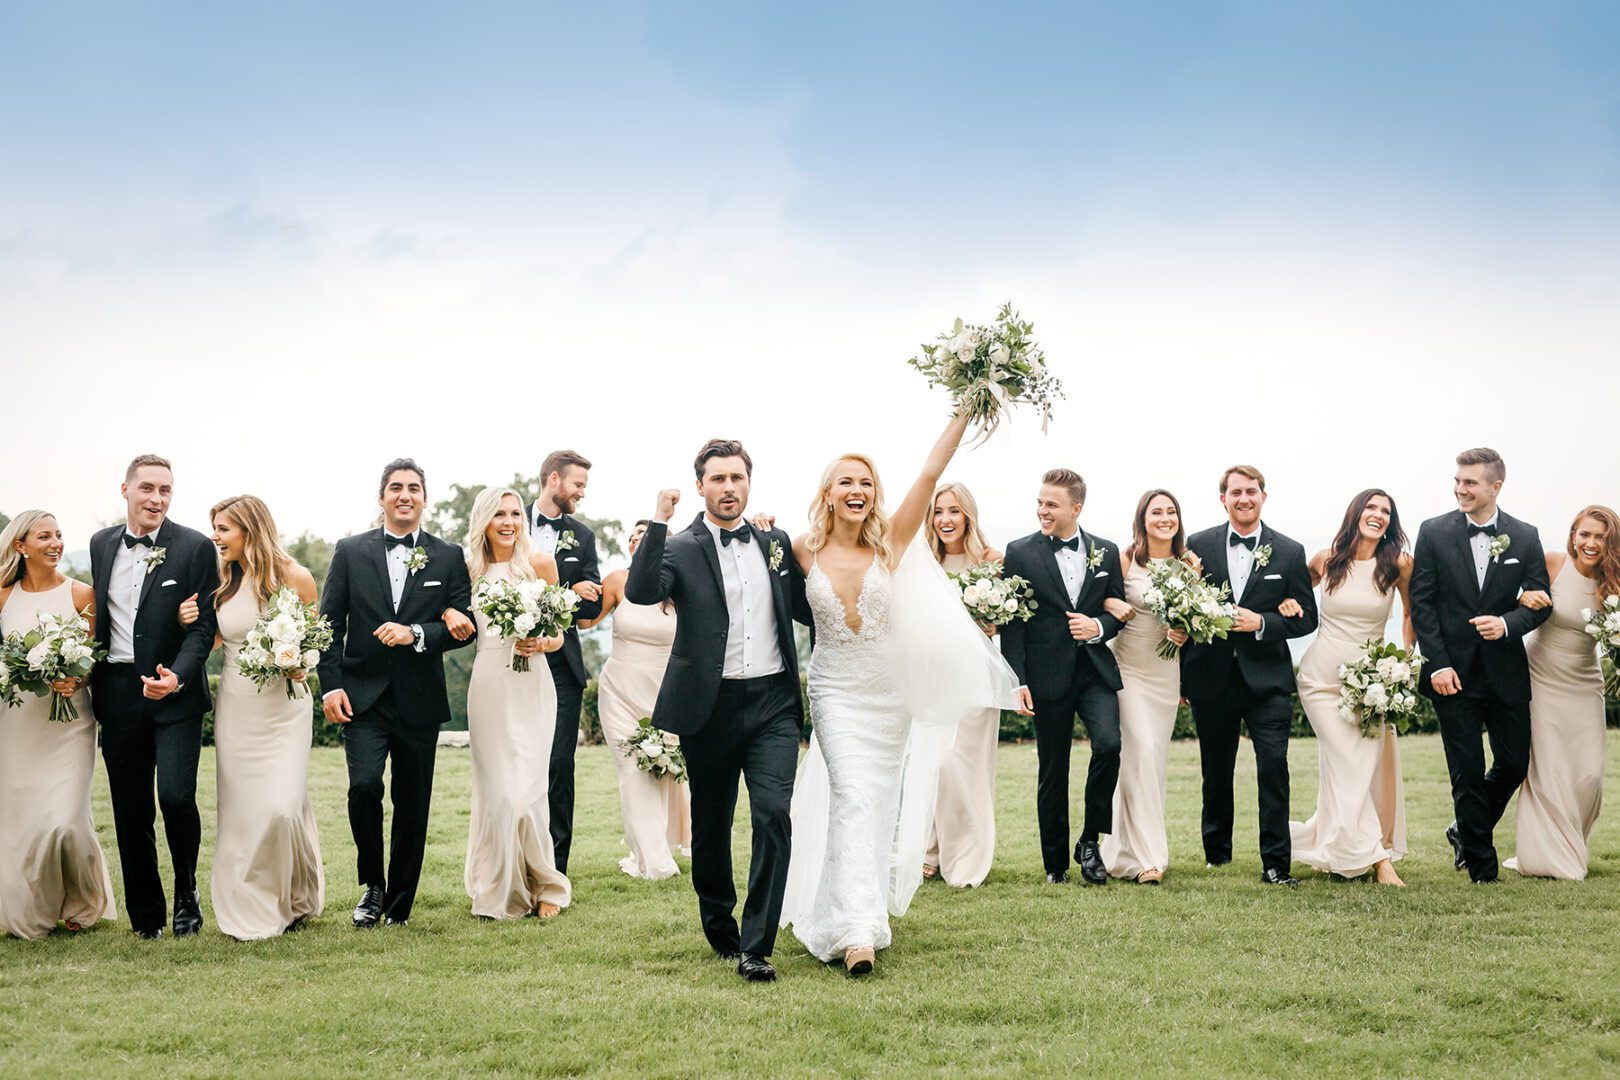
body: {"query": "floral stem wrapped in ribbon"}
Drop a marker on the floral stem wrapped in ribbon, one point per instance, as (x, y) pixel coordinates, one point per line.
(1379, 688)
(1179, 597)
(1604, 626)
(287, 640)
(524, 609)
(58, 648)
(655, 751)
(994, 600)
(988, 368)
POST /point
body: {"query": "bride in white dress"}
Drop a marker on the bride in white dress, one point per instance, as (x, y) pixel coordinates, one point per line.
(893, 645)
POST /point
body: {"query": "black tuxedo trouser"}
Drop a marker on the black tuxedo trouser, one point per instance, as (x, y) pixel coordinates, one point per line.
(1098, 707)
(1268, 718)
(1480, 797)
(369, 740)
(753, 732)
(560, 795)
(135, 747)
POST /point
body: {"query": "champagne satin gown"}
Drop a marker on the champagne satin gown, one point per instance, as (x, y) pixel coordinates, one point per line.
(657, 813)
(964, 835)
(51, 865)
(1558, 804)
(511, 721)
(1360, 817)
(267, 860)
(1147, 719)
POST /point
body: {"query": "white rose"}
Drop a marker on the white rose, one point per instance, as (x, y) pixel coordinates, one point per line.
(1010, 606)
(651, 747)
(971, 594)
(287, 657)
(524, 623)
(999, 353)
(1401, 672)
(311, 658)
(283, 628)
(1376, 697)
(38, 655)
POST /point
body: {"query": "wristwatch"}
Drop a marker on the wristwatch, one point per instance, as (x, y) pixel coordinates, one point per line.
(416, 636)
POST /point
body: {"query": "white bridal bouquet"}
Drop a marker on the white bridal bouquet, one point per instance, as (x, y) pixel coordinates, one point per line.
(287, 639)
(994, 600)
(58, 648)
(655, 751)
(987, 368)
(1179, 597)
(523, 609)
(1604, 625)
(1380, 688)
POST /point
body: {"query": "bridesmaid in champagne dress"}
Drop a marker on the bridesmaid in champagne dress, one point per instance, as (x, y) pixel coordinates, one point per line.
(267, 875)
(1360, 819)
(51, 865)
(964, 835)
(511, 865)
(1558, 804)
(1138, 848)
(657, 812)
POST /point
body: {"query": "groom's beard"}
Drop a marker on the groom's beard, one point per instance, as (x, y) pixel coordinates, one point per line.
(725, 512)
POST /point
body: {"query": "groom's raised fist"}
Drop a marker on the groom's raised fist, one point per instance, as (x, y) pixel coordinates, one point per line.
(666, 505)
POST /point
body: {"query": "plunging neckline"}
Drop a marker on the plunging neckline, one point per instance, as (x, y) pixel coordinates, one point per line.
(860, 597)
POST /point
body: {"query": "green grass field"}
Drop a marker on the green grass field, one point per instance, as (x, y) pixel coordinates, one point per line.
(1211, 972)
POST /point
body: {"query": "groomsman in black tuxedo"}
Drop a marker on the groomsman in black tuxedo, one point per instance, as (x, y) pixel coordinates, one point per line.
(1065, 667)
(1468, 571)
(382, 680)
(731, 692)
(1247, 678)
(151, 693)
(555, 530)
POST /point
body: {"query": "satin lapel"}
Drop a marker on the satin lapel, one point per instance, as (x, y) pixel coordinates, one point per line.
(705, 541)
(1221, 571)
(1460, 525)
(164, 534)
(107, 556)
(567, 526)
(1090, 579)
(378, 552)
(1492, 565)
(1046, 559)
(409, 588)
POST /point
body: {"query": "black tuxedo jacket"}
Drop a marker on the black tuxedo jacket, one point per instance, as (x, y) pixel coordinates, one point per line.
(1446, 594)
(577, 563)
(1042, 651)
(1265, 665)
(190, 565)
(685, 568)
(357, 599)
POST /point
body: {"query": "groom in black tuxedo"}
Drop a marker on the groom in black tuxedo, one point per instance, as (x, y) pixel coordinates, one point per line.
(151, 692)
(382, 680)
(1468, 571)
(1064, 667)
(555, 530)
(1247, 678)
(731, 692)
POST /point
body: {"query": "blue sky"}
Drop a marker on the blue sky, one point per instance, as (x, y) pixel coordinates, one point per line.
(1389, 213)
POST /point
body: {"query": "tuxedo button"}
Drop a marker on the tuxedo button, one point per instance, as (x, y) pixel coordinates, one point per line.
(719, 669)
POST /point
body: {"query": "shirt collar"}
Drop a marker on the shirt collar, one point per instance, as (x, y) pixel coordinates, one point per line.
(1487, 524)
(1078, 532)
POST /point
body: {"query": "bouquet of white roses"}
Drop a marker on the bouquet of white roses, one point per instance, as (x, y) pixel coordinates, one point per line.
(523, 609)
(58, 648)
(655, 751)
(1179, 597)
(1604, 625)
(992, 599)
(288, 638)
(1380, 688)
(987, 368)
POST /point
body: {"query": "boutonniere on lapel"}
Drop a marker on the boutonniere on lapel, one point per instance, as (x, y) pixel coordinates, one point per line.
(154, 558)
(567, 541)
(776, 555)
(1095, 558)
(1499, 543)
(1262, 555)
(417, 560)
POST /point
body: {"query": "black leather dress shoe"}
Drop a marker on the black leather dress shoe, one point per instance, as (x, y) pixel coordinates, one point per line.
(730, 957)
(187, 913)
(151, 933)
(1457, 860)
(391, 921)
(368, 912)
(1060, 877)
(1092, 870)
(1484, 881)
(755, 968)
(1278, 877)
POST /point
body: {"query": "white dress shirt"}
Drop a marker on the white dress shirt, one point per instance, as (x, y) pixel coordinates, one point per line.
(398, 572)
(542, 536)
(1480, 544)
(1072, 565)
(751, 650)
(124, 598)
(1239, 565)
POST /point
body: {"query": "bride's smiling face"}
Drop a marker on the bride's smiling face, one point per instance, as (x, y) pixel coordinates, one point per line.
(853, 492)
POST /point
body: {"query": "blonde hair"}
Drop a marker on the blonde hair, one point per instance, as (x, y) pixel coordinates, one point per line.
(264, 561)
(976, 546)
(479, 553)
(11, 560)
(874, 530)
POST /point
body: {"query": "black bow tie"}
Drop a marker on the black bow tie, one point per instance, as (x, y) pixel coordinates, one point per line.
(396, 541)
(541, 520)
(741, 534)
(130, 540)
(1475, 530)
(1072, 543)
(1233, 540)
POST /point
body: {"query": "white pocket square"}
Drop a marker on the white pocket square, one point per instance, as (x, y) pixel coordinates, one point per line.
(1273, 577)
(166, 584)
(431, 584)
(571, 558)
(1509, 562)
(1102, 573)
(781, 573)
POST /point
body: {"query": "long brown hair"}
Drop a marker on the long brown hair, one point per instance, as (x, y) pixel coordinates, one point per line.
(264, 561)
(1608, 567)
(1387, 553)
(1138, 551)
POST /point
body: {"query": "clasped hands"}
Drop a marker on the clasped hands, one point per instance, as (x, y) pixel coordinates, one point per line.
(461, 628)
